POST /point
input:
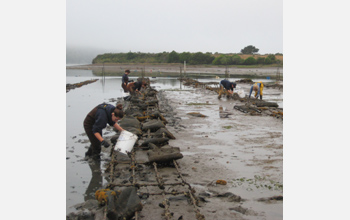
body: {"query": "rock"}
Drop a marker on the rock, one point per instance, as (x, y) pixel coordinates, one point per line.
(164, 155)
(152, 125)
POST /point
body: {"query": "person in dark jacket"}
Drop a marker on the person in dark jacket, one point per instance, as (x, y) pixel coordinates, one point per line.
(95, 121)
(225, 84)
(125, 80)
(135, 87)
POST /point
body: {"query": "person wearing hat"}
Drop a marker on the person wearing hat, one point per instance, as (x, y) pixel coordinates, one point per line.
(225, 84)
(125, 80)
(258, 89)
(95, 121)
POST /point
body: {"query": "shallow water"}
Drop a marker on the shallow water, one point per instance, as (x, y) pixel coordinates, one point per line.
(82, 178)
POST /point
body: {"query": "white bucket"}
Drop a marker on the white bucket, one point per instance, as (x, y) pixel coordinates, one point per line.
(125, 94)
(241, 93)
(125, 142)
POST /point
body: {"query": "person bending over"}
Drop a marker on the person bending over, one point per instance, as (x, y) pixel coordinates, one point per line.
(258, 89)
(229, 86)
(95, 121)
(135, 87)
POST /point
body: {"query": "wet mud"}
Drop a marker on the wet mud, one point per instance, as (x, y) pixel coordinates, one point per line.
(227, 165)
(248, 105)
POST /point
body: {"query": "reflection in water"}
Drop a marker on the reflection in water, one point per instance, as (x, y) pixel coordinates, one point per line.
(96, 180)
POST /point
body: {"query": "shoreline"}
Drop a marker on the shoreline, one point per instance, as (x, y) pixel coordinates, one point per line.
(154, 70)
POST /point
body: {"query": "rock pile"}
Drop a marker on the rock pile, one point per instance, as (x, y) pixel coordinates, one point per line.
(78, 85)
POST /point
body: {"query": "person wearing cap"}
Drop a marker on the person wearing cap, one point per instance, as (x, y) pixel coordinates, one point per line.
(125, 80)
(258, 89)
(225, 84)
(95, 121)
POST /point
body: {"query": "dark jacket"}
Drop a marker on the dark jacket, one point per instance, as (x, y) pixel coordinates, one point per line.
(227, 84)
(125, 78)
(99, 117)
(137, 85)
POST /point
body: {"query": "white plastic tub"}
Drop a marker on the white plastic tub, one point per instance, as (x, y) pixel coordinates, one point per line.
(124, 94)
(125, 142)
(241, 93)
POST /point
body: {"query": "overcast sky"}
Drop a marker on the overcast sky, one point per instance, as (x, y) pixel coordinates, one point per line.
(224, 26)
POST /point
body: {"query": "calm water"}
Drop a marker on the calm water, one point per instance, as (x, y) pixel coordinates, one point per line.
(82, 178)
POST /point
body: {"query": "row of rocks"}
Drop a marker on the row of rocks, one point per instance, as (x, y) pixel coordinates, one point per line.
(78, 85)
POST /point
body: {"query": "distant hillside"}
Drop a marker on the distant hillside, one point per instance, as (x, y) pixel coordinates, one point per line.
(197, 58)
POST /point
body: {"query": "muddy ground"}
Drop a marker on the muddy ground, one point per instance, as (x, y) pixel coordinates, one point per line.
(244, 150)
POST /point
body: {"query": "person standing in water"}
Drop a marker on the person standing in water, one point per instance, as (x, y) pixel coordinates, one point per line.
(95, 121)
(125, 80)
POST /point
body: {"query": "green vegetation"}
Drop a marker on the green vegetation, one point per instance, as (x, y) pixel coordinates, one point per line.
(250, 61)
(197, 58)
(249, 50)
(227, 127)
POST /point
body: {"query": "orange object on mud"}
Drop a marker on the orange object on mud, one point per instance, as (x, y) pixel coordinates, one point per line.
(101, 195)
(222, 182)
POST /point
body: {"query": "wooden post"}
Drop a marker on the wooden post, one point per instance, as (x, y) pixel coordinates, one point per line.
(185, 68)
(180, 72)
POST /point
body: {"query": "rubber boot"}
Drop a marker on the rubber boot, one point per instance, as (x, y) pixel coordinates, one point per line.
(89, 152)
(96, 157)
(220, 93)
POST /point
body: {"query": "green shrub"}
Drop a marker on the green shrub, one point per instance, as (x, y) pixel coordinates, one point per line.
(216, 61)
(237, 60)
(260, 60)
(173, 57)
(250, 61)
(268, 61)
(272, 57)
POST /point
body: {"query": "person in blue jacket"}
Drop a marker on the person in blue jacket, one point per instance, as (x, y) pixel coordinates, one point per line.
(95, 121)
(225, 84)
(258, 88)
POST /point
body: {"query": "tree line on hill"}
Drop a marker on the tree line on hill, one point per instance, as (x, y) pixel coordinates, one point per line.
(190, 58)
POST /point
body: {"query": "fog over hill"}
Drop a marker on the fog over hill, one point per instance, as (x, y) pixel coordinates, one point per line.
(80, 55)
